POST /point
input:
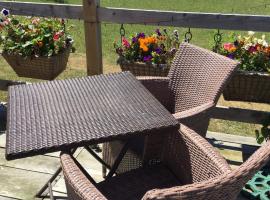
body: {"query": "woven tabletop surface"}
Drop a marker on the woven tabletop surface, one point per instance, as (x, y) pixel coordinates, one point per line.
(63, 114)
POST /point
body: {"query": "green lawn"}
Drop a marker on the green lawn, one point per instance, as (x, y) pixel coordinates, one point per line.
(201, 37)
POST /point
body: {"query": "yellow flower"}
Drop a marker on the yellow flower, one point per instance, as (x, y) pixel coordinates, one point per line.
(144, 42)
(144, 48)
(232, 49)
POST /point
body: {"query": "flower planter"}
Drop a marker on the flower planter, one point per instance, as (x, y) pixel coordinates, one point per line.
(143, 69)
(248, 86)
(46, 68)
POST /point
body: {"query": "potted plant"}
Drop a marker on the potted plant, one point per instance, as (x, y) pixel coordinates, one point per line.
(252, 80)
(262, 135)
(35, 47)
(148, 55)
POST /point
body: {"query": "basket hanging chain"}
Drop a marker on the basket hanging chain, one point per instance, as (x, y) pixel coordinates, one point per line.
(188, 36)
(217, 40)
(122, 32)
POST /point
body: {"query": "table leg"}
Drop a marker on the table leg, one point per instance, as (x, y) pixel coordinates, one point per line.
(47, 188)
(97, 157)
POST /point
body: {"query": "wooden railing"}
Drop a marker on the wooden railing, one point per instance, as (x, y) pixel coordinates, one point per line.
(93, 15)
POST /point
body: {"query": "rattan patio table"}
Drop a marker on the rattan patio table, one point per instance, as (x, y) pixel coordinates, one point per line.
(65, 114)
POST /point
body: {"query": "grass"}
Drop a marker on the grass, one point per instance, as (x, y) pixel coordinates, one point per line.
(201, 37)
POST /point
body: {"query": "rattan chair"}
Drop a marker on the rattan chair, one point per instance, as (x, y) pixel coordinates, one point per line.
(190, 169)
(193, 86)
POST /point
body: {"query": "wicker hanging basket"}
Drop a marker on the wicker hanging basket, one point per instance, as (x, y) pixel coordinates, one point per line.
(248, 86)
(46, 68)
(143, 69)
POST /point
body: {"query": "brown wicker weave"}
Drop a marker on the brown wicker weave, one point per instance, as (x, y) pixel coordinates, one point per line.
(46, 68)
(191, 169)
(248, 86)
(193, 86)
(143, 69)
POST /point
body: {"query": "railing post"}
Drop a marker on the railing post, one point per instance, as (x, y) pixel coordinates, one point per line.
(92, 29)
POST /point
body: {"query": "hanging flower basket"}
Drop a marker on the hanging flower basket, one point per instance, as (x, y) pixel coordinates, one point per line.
(143, 69)
(248, 86)
(35, 47)
(46, 68)
(148, 55)
(252, 81)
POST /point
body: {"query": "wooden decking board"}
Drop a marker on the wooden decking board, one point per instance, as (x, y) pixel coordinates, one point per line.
(2, 140)
(20, 184)
(8, 198)
(41, 164)
(232, 138)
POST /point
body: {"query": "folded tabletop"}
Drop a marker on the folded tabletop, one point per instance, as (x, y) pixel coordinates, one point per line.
(65, 114)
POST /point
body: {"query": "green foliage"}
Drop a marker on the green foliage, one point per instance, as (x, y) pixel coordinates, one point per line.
(32, 36)
(264, 133)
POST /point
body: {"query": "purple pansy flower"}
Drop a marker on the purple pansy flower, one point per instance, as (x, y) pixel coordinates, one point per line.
(5, 12)
(158, 50)
(134, 40)
(231, 56)
(147, 58)
(140, 35)
(158, 32)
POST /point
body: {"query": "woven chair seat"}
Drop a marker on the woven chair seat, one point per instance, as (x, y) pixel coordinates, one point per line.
(134, 184)
(193, 170)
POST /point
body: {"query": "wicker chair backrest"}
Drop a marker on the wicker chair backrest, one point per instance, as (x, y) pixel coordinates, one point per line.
(197, 76)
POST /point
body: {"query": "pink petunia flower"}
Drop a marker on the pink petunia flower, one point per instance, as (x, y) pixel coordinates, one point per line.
(228, 46)
(126, 43)
(57, 35)
(35, 21)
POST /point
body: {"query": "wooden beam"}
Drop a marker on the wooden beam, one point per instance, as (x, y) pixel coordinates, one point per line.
(185, 19)
(92, 29)
(4, 84)
(140, 16)
(43, 9)
(239, 114)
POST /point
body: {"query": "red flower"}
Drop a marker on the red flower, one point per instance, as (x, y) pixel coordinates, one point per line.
(126, 43)
(56, 36)
(252, 49)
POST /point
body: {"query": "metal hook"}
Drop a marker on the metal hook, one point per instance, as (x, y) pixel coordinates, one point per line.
(122, 32)
(188, 36)
(217, 39)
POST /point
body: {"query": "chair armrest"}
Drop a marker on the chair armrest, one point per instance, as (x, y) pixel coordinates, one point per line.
(209, 189)
(191, 157)
(194, 111)
(78, 185)
(155, 78)
(159, 87)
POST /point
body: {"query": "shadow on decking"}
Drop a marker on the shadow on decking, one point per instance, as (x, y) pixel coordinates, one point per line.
(3, 117)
